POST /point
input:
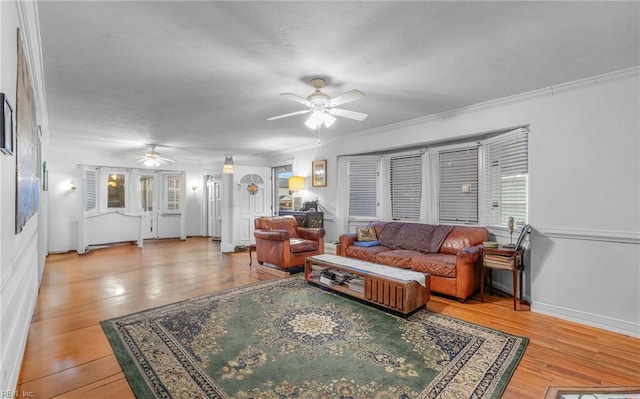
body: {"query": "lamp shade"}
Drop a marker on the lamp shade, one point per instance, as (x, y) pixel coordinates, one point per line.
(296, 183)
(227, 168)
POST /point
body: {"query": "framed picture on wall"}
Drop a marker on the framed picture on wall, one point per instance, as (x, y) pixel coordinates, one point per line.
(319, 173)
(6, 126)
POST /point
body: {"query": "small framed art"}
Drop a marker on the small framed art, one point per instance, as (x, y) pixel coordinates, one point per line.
(319, 170)
(6, 126)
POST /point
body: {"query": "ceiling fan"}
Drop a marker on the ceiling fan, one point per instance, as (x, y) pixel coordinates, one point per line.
(322, 107)
(153, 158)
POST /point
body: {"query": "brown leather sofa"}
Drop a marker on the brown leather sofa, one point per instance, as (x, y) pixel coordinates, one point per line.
(280, 242)
(454, 268)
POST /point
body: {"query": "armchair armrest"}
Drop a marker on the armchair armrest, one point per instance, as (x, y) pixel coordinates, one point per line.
(273, 235)
(309, 233)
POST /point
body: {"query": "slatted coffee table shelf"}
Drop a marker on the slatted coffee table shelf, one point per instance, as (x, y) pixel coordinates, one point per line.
(399, 290)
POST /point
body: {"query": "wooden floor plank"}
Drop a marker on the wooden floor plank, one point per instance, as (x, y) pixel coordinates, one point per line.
(68, 356)
(74, 378)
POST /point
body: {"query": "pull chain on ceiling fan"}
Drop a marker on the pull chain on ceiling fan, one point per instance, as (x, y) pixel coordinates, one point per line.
(323, 108)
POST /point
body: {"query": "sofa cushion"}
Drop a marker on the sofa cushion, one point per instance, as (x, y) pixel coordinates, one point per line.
(365, 253)
(443, 265)
(300, 245)
(396, 257)
(463, 237)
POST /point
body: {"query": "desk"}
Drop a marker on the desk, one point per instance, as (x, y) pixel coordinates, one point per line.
(503, 258)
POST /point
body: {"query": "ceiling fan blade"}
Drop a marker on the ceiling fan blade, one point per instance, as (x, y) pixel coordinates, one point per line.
(347, 97)
(297, 99)
(345, 113)
(304, 111)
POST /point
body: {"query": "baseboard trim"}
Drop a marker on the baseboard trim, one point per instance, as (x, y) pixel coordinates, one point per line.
(589, 319)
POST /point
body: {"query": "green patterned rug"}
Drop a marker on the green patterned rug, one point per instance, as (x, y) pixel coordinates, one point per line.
(287, 339)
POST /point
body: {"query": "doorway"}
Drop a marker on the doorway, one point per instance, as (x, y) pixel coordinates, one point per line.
(282, 196)
(147, 201)
(214, 208)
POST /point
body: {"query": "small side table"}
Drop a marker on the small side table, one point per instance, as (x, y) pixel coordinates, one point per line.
(503, 258)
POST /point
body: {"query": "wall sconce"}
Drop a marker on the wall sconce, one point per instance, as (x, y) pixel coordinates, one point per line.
(228, 164)
(194, 187)
(72, 186)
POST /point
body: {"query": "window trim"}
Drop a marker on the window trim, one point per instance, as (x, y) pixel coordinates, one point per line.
(103, 202)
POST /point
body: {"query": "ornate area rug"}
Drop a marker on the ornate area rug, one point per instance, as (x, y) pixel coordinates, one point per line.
(287, 339)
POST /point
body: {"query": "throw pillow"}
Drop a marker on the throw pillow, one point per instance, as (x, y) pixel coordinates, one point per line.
(366, 234)
(366, 243)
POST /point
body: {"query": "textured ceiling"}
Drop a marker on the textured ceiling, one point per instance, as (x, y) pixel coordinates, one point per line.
(201, 78)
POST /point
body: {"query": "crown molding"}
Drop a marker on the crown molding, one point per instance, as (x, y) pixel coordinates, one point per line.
(549, 91)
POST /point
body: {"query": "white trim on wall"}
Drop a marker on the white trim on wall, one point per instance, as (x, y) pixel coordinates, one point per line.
(590, 235)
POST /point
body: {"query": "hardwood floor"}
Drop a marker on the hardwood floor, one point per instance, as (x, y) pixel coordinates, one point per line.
(68, 356)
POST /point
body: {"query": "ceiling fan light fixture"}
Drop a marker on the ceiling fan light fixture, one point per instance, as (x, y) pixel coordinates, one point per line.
(153, 159)
(322, 107)
(319, 118)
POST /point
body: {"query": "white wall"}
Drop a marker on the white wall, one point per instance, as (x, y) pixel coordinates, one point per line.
(19, 254)
(584, 189)
(64, 203)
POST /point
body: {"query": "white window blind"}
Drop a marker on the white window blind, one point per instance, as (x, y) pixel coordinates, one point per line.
(405, 174)
(90, 178)
(173, 193)
(507, 178)
(363, 187)
(458, 185)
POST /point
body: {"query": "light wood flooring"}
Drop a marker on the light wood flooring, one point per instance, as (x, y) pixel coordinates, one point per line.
(68, 356)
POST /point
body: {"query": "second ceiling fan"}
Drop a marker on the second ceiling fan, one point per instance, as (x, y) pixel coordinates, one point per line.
(322, 107)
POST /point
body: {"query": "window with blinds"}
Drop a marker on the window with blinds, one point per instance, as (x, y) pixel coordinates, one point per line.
(173, 193)
(458, 185)
(506, 177)
(363, 187)
(405, 173)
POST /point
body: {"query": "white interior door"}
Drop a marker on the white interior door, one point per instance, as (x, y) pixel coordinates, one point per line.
(254, 200)
(171, 187)
(214, 204)
(148, 199)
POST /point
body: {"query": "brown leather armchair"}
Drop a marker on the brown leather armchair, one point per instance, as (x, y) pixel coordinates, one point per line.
(280, 242)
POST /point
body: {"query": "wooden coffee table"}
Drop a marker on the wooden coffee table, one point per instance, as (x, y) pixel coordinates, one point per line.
(400, 290)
